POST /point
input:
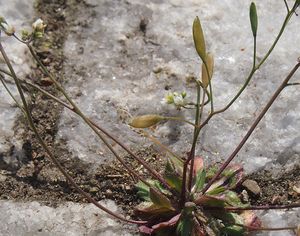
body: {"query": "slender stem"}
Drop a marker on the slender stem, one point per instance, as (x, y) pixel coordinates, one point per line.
(253, 126)
(293, 84)
(10, 94)
(191, 155)
(55, 161)
(154, 140)
(154, 173)
(265, 207)
(97, 126)
(287, 6)
(210, 88)
(179, 119)
(252, 228)
(253, 70)
(285, 22)
(190, 180)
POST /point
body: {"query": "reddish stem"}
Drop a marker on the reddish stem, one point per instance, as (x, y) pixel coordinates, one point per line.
(253, 126)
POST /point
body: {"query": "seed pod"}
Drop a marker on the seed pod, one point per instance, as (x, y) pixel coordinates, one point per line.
(145, 121)
(199, 39)
(253, 19)
(210, 67)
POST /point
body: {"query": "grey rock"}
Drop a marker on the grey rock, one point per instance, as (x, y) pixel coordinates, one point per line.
(252, 187)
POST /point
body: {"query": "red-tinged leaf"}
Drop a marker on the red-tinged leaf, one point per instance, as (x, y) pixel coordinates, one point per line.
(147, 210)
(217, 184)
(197, 230)
(160, 199)
(198, 165)
(211, 201)
(250, 219)
(145, 230)
(173, 221)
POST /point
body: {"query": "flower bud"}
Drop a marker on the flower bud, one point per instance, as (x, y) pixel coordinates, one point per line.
(38, 28)
(169, 98)
(8, 29)
(145, 121)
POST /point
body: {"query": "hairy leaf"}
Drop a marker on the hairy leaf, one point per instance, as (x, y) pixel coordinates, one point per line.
(160, 199)
(200, 180)
(211, 201)
(148, 210)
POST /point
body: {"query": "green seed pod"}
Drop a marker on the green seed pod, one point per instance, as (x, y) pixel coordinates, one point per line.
(210, 67)
(145, 121)
(199, 39)
(253, 19)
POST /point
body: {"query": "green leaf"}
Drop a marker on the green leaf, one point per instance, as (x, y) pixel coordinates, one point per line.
(216, 190)
(233, 199)
(172, 176)
(199, 39)
(211, 201)
(211, 172)
(160, 199)
(229, 220)
(185, 224)
(148, 209)
(253, 19)
(185, 227)
(143, 191)
(200, 180)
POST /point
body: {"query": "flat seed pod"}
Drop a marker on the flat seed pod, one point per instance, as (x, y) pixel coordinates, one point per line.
(199, 39)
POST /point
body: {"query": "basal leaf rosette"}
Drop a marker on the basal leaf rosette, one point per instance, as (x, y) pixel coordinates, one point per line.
(201, 214)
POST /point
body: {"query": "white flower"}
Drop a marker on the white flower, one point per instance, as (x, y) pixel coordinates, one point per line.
(179, 100)
(175, 98)
(39, 25)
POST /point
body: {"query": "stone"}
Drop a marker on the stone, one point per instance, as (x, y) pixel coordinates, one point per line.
(252, 187)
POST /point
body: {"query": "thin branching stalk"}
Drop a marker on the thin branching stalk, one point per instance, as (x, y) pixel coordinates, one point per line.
(250, 228)
(252, 72)
(154, 173)
(190, 179)
(191, 155)
(52, 157)
(265, 207)
(130, 170)
(10, 94)
(253, 126)
(158, 143)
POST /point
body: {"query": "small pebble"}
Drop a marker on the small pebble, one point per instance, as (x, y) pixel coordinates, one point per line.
(252, 187)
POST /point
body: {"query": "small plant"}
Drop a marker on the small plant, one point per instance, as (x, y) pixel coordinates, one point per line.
(203, 213)
(189, 198)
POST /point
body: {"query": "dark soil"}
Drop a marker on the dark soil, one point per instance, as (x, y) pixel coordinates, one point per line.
(36, 178)
(277, 191)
